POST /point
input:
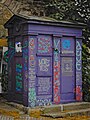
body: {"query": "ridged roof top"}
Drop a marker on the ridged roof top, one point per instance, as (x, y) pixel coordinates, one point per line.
(46, 20)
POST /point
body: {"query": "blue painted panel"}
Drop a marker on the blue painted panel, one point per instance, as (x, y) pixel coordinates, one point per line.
(67, 46)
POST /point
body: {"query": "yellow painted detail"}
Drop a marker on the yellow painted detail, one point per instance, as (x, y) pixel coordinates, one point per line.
(3, 42)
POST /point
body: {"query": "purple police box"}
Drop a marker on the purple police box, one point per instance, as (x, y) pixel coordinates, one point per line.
(45, 61)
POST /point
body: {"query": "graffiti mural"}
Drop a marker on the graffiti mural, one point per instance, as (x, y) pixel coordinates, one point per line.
(32, 72)
(44, 44)
(18, 47)
(44, 66)
(56, 88)
(44, 100)
(32, 97)
(44, 70)
(78, 56)
(44, 63)
(78, 93)
(78, 70)
(19, 81)
(44, 85)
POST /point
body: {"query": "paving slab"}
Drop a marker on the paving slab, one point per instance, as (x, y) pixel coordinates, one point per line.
(14, 111)
(82, 112)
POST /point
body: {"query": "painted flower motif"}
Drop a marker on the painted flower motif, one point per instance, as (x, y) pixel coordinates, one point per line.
(66, 44)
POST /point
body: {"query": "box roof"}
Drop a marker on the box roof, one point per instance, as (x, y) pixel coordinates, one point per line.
(43, 20)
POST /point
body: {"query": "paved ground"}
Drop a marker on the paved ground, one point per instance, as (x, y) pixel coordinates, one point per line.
(8, 112)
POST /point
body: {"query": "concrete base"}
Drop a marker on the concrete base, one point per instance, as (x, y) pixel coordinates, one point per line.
(57, 111)
(65, 110)
(85, 112)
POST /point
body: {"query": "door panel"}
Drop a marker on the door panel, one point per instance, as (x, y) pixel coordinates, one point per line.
(44, 45)
(18, 84)
(44, 85)
(44, 66)
(44, 70)
(67, 74)
(67, 46)
(67, 69)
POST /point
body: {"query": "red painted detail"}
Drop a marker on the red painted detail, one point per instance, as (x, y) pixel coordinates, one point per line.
(78, 93)
(56, 82)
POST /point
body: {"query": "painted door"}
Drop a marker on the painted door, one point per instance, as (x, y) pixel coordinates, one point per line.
(18, 67)
(44, 70)
(67, 69)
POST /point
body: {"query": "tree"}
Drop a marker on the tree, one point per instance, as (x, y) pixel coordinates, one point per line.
(61, 9)
(86, 73)
(83, 9)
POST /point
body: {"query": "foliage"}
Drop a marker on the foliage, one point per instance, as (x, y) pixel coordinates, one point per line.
(4, 79)
(83, 9)
(61, 9)
(86, 73)
(75, 10)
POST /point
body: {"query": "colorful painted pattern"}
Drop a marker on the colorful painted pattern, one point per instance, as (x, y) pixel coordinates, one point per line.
(56, 89)
(19, 81)
(44, 71)
(44, 44)
(78, 93)
(32, 73)
(78, 70)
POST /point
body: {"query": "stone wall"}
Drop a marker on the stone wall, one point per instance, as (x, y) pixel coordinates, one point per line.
(29, 7)
(24, 7)
(5, 14)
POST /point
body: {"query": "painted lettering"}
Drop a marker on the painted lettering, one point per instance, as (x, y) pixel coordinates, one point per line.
(78, 46)
(44, 64)
(78, 70)
(44, 85)
(44, 100)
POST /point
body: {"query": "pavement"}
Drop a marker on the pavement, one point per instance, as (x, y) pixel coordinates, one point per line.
(8, 111)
